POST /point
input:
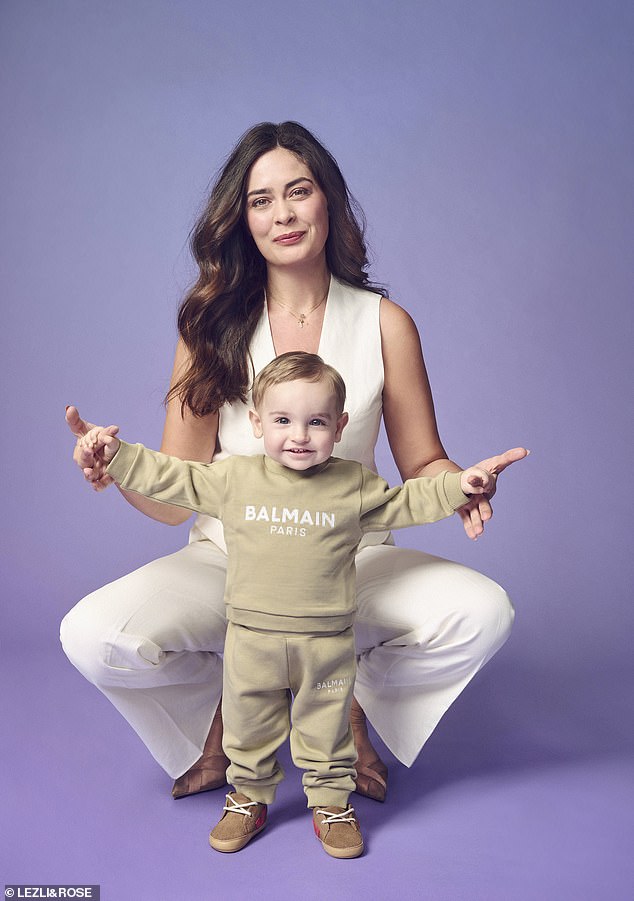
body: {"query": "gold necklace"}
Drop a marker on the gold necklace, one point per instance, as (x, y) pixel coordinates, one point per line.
(303, 317)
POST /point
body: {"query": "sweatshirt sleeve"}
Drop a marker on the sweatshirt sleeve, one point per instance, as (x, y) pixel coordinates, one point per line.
(414, 503)
(196, 486)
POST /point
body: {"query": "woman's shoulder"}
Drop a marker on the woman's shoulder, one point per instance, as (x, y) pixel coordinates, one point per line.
(396, 322)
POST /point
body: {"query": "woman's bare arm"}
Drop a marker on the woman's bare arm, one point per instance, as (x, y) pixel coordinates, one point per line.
(408, 411)
(408, 408)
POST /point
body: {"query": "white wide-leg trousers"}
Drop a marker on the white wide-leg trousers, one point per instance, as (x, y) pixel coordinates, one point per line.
(152, 643)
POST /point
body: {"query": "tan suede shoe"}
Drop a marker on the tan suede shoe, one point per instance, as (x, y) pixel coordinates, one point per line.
(338, 830)
(241, 821)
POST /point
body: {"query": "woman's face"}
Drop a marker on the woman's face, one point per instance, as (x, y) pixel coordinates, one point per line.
(286, 210)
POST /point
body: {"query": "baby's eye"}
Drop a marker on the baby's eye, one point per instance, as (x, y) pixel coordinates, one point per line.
(317, 422)
(282, 420)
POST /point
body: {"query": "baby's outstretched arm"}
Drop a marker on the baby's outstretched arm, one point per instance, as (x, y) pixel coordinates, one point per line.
(101, 442)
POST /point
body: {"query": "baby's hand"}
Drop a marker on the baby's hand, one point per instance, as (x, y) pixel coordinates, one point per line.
(101, 444)
(478, 510)
(476, 480)
(102, 438)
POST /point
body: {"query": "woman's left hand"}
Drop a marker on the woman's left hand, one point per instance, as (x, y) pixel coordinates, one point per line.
(479, 511)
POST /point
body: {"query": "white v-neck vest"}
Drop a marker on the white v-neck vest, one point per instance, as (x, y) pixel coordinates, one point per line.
(351, 342)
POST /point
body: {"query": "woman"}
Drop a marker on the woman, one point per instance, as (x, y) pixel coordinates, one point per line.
(282, 265)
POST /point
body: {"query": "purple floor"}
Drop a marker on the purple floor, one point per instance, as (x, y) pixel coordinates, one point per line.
(517, 796)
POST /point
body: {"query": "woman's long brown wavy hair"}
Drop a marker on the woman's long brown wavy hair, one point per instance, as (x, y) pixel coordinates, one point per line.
(217, 317)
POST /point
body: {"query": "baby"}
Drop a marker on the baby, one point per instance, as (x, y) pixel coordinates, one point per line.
(293, 518)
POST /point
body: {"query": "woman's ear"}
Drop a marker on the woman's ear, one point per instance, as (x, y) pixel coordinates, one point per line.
(342, 422)
(256, 423)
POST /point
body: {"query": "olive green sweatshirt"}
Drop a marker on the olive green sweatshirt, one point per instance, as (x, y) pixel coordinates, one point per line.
(291, 536)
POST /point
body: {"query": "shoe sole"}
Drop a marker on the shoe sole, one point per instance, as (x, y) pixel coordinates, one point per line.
(342, 853)
(229, 845)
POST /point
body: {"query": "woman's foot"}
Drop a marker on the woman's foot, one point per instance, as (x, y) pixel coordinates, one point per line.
(210, 771)
(371, 781)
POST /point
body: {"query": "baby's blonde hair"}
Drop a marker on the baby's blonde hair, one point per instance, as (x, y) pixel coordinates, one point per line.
(294, 366)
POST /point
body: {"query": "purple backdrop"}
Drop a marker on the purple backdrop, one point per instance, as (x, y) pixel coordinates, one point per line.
(490, 145)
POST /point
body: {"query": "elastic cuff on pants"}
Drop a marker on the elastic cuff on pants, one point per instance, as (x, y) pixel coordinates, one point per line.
(263, 794)
(327, 797)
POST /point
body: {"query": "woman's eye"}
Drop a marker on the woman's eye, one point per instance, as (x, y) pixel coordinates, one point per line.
(300, 192)
(259, 202)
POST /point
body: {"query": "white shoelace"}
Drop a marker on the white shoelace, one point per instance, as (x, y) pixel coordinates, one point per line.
(240, 808)
(344, 816)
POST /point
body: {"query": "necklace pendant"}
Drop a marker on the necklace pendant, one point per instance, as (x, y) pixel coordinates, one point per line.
(301, 320)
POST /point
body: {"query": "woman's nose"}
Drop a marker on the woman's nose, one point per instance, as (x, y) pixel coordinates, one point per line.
(284, 212)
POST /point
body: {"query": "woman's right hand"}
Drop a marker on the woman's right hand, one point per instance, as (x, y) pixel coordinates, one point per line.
(91, 464)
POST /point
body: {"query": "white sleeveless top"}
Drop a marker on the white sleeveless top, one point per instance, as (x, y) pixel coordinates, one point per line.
(351, 342)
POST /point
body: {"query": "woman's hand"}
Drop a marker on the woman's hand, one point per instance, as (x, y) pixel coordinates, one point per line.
(478, 511)
(91, 462)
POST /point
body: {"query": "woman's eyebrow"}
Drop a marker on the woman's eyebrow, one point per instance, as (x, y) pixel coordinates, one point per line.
(290, 184)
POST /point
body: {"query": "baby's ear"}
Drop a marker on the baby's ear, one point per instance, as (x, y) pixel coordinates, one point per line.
(256, 423)
(342, 422)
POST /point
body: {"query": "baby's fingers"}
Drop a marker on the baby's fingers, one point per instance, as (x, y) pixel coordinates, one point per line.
(83, 456)
(107, 433)
(480, 482)
(476, 484)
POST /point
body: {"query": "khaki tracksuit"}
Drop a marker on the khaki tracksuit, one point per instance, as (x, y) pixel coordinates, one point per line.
(290, 593)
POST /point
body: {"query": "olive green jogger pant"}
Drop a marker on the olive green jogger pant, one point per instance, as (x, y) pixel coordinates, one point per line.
(266, 672)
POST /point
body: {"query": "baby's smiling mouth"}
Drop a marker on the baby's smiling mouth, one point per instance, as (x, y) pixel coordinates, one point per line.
(298, 450)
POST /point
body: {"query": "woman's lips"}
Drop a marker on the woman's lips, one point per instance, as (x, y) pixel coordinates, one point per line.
(290, 238)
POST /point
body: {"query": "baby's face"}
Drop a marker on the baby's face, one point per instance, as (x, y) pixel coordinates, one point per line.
(299, 422)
